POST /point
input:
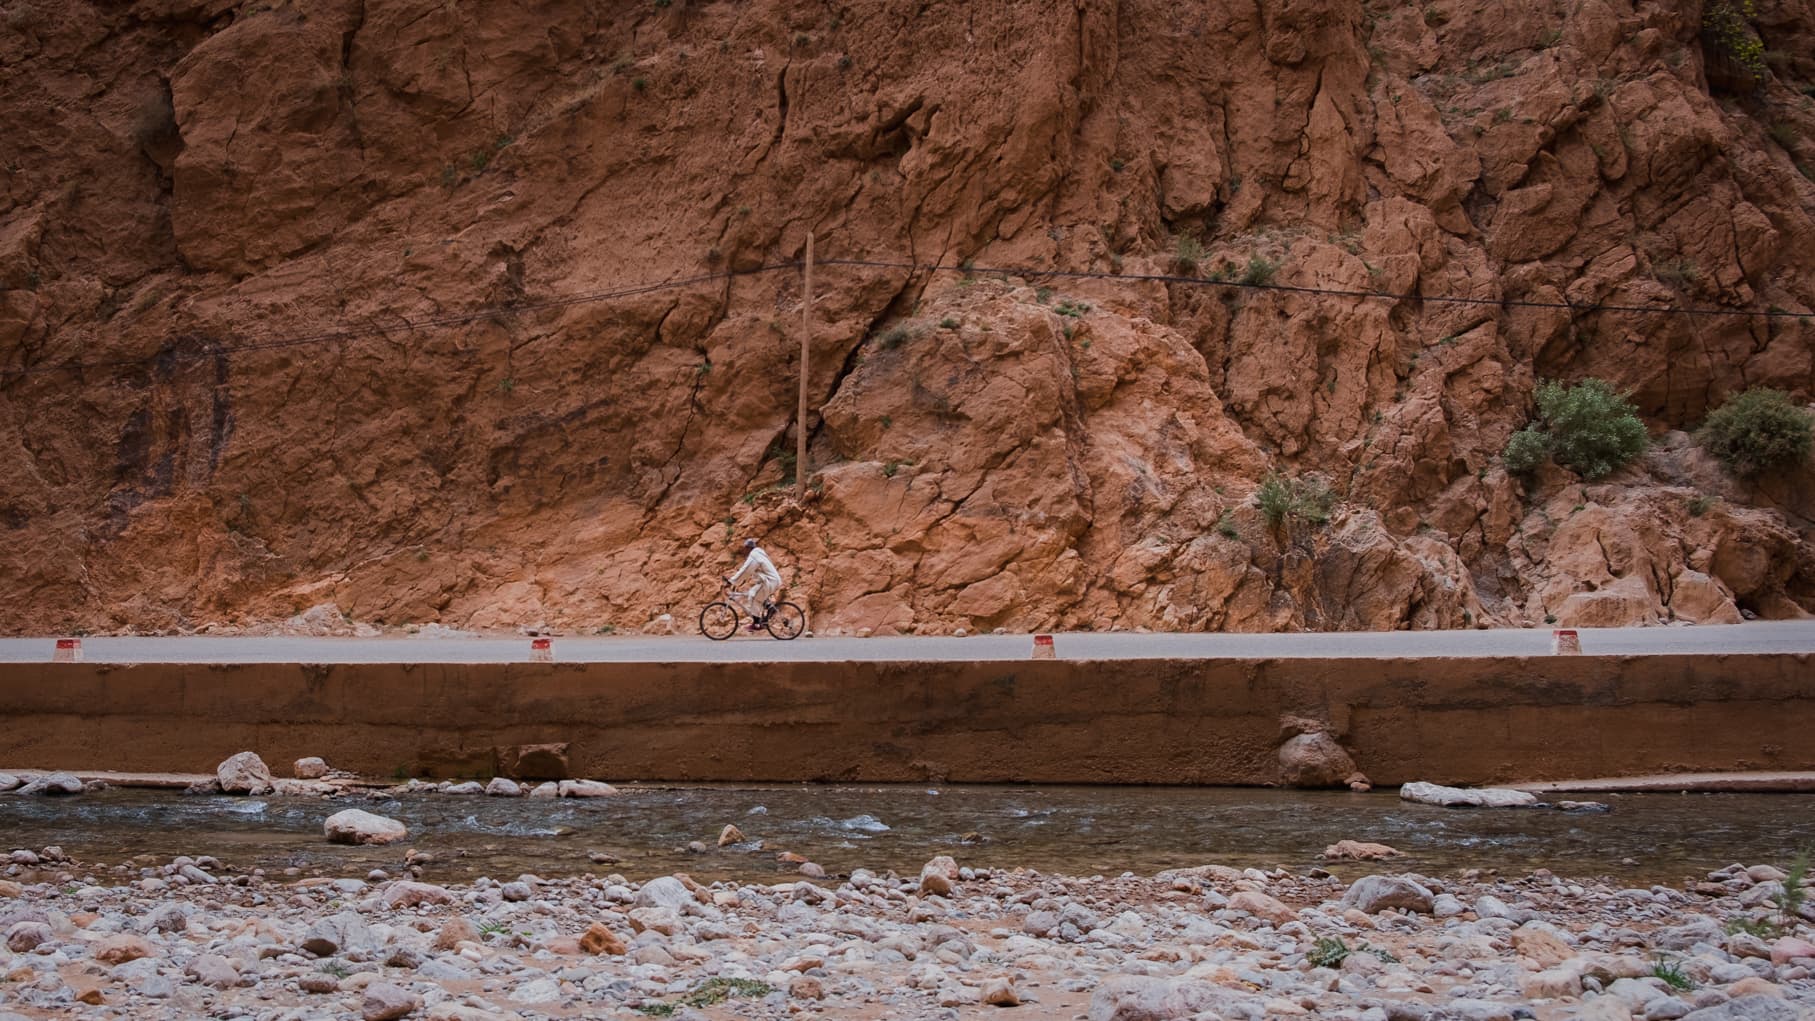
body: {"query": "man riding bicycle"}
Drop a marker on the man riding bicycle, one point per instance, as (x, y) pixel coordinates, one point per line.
(758, 566)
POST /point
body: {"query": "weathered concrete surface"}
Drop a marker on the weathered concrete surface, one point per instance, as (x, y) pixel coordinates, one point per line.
(1458, 721)
(1753, 782)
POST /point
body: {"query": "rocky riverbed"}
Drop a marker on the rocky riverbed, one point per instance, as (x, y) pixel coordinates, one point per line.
(192, 937)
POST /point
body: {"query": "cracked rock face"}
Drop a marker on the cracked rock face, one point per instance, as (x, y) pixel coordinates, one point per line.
(235, 184)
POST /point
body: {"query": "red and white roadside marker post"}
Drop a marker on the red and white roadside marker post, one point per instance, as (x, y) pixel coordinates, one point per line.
(69, 650)
(541, 650)
(1043, 647)
(1565, 643)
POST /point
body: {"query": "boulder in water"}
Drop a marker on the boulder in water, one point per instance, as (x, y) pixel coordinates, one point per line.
(1461, 797)
(244, 773)
(51, 784)
(1358, 850)
(586, 789)
(1314, 758)
(355, 826)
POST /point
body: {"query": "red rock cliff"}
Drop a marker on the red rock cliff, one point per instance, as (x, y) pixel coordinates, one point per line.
(336, 303)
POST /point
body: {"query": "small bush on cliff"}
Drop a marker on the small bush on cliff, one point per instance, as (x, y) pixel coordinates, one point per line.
(1727, 27)
(1260, 271)
(1188, 254)
(1589, 428)
(1757, 431)
(1305, 499)
(1526, 450)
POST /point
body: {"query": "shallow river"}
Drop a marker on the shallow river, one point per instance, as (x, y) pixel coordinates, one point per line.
(1074, 830)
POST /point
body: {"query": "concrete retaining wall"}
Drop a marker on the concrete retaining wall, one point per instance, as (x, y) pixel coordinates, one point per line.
(1117, 721)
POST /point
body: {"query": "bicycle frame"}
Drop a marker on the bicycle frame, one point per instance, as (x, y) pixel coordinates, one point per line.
(741, 600)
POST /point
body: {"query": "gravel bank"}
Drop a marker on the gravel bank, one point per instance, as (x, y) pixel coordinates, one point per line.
(190, 937)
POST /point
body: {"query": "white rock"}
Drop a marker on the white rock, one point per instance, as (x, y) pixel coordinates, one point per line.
(311, 768)
(468, 788)
(504, 787)
(1373, 894)
(52, 784)
(546, 790)
(542, 990)
(664, 892)
(586, 789)
(1459, 797)
(356, 826)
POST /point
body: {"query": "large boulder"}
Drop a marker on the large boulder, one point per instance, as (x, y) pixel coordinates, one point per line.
(408, 894)
(1358, 850)
(26, 936)
(1262, 906)
(355, 826)
(338, 934)
(244, 773)
(535, 762)
(664, 892)
(586, 789)
(1145, 998)
(1466, 797)
(386, 1002)
(51, 784)
(1763, 1007)
(1373, 894)
(120, 948)
(1316, 759)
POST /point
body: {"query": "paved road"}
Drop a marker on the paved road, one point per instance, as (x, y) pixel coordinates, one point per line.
(1774, 636)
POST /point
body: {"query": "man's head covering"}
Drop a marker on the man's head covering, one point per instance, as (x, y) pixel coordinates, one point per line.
(749, 543)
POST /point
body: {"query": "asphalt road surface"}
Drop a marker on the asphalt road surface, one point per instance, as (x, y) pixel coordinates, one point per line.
(1773, 636)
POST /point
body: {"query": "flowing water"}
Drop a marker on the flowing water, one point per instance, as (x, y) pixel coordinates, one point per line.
(1074, 830)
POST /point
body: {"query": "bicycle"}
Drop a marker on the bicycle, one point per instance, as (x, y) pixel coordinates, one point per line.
(719, 620)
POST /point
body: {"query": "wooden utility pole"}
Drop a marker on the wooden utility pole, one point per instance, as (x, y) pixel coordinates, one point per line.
(806, 345)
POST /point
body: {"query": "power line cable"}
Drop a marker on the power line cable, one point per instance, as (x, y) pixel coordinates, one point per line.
(406, 324)
(1022, 271)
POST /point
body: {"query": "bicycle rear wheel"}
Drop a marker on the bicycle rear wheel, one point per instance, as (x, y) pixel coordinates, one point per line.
(786, 622)
(718, 621)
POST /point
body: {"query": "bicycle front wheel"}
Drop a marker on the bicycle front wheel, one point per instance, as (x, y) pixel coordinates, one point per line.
(786, 622)
(718, 621)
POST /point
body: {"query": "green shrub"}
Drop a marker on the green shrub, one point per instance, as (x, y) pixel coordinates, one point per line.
(1756, 431)
(1225, 525)
(1305, 499)
(1592, 428)
(1789, 900)
(1727, 26)
(1672, 974)
(1260, 271)
(1329, 952)
(1525, 451)
(1188, 254)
